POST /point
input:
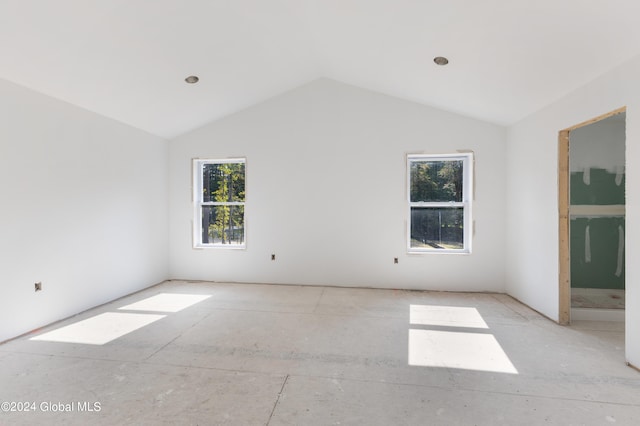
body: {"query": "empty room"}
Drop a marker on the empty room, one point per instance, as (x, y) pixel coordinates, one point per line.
(319, 212)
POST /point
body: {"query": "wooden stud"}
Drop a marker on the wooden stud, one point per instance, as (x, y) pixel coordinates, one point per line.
(564, 315)
(599, 118)
(564, 266)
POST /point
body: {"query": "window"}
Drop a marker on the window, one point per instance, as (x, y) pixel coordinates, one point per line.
(219, 197)
(439, 196)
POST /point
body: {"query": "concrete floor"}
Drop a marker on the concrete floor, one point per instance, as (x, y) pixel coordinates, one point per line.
(597, 298)
(207, 354)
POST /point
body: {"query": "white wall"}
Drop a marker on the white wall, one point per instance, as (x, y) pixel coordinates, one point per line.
(84, 209)
(532, 194)
(326, 192)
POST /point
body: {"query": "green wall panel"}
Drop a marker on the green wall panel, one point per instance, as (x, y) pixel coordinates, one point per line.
(602, 189)
(600, 272)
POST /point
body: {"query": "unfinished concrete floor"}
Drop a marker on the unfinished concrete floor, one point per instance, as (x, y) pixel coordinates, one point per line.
(238, 354)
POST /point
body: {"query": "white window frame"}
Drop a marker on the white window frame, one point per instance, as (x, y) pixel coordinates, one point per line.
(198, 203)
(465, 204)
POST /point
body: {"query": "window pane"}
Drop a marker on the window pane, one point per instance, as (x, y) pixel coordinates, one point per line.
(436, 181)
(223, 225)
(437, 228)
(223, 182)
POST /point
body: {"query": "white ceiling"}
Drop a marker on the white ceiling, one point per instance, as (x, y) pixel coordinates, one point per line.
(127, 59)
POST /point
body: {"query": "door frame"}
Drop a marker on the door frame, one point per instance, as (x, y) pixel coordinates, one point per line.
(564, 259)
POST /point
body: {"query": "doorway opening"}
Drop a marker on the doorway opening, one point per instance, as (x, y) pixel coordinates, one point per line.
(592, 219)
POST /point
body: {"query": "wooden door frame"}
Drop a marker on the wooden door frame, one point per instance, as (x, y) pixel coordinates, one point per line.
(564, 267)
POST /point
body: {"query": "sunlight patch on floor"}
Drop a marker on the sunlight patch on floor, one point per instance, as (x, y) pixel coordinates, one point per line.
(449, 316)
(166, 302)
(445, 336)
(469, 351)
(100, 329)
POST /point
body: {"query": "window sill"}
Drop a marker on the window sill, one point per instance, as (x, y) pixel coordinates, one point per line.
(437, 251)
(219, 247)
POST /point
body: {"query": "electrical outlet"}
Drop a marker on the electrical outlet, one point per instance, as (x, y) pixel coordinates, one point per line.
(395, 260)
(38, 286)
(273, 257)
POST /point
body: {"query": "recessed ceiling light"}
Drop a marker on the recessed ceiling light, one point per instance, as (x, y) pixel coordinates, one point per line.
(440, 60)
(192, 79)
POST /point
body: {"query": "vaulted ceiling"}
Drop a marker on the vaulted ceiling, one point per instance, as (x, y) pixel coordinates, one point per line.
(127, 59)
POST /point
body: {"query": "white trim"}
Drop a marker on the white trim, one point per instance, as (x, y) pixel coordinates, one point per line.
(218, 203)
(466, 204)
(439, 204)
(198, 203)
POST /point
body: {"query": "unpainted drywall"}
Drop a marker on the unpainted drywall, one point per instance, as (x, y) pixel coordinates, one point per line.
(597, 252)
(326, 192)
(532, 194)
(84, 210)
(599, 145)
(596, 159)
